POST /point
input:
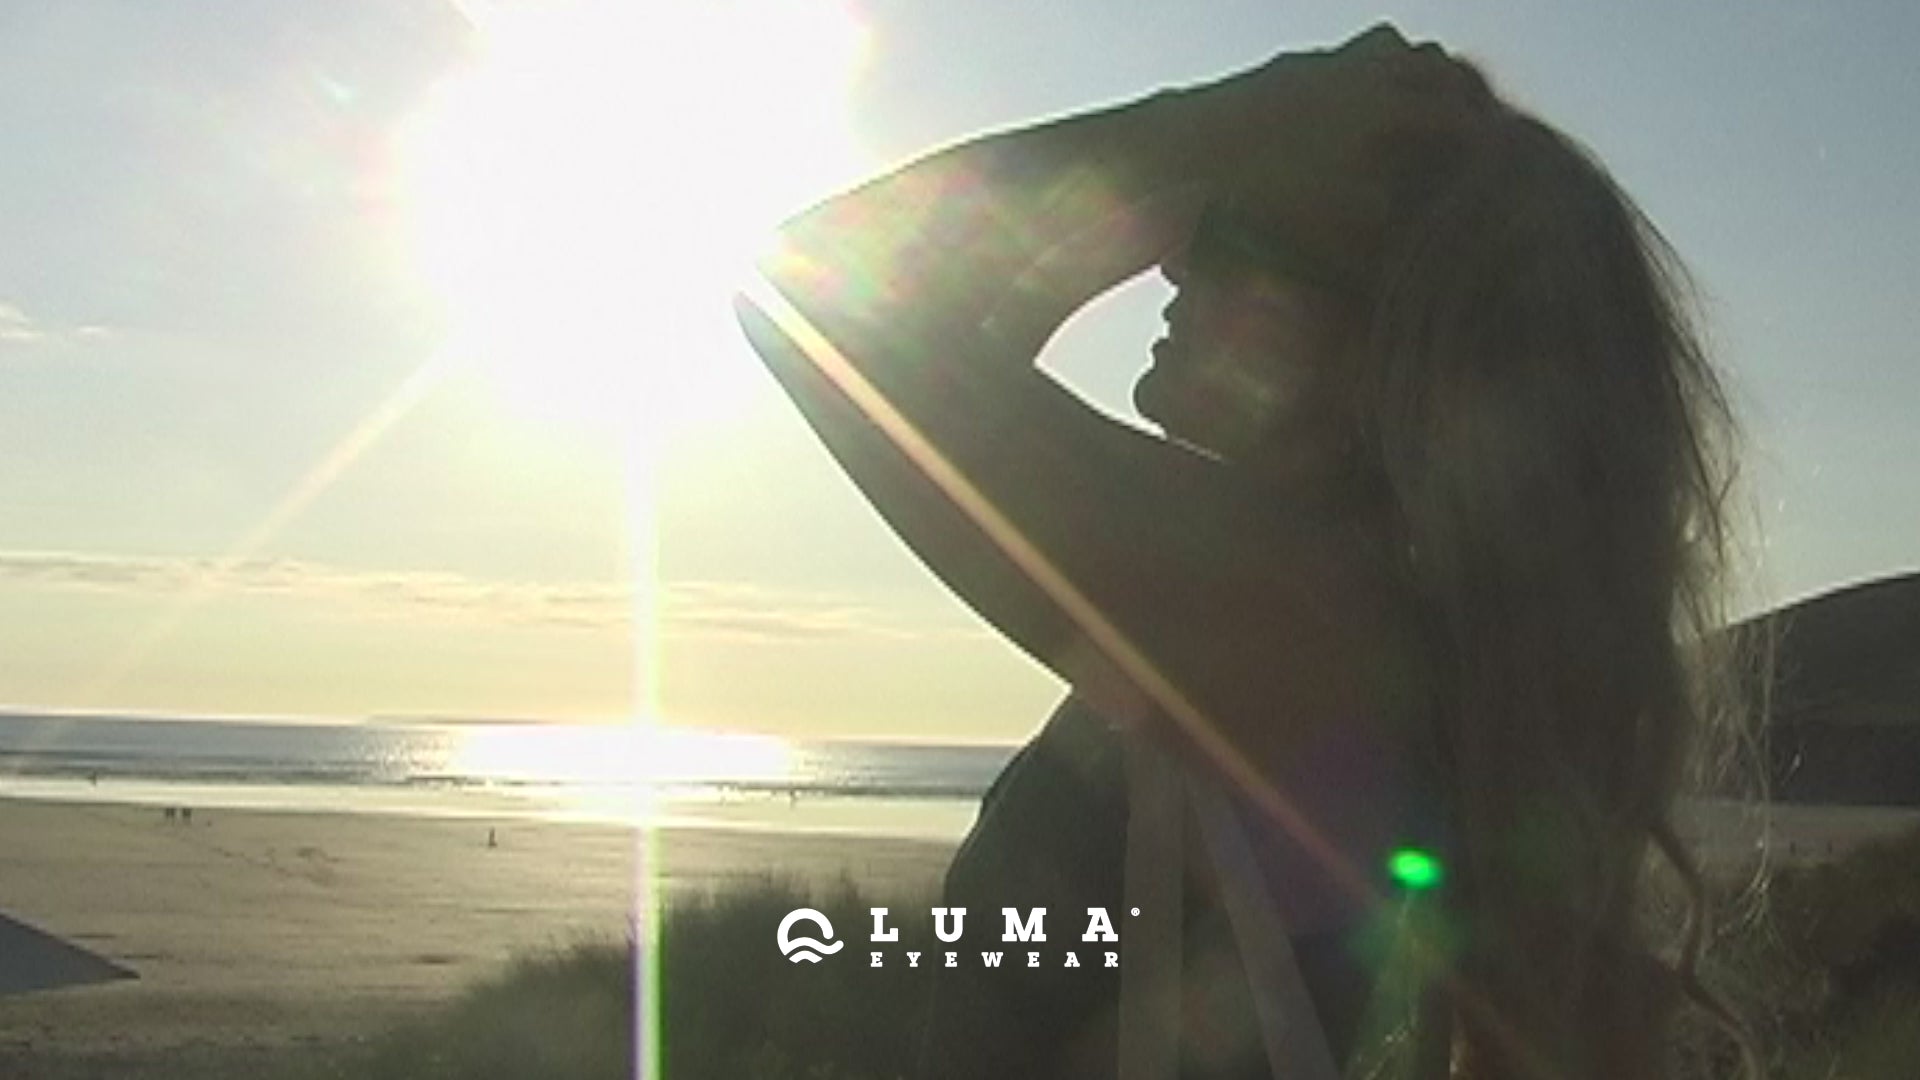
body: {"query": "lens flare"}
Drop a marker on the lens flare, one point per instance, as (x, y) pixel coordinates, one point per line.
(1415, 870)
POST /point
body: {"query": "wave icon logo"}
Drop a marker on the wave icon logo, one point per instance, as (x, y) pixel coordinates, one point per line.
(797, 949)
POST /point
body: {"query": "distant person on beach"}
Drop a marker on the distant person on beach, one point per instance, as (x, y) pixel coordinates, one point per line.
(1411, 579)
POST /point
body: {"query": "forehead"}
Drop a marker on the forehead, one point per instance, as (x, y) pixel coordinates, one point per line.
(1227, 244)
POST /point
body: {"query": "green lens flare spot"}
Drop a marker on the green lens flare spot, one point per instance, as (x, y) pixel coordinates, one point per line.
(1415, 869)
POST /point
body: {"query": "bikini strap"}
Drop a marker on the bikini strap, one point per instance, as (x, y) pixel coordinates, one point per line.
(1158, 793)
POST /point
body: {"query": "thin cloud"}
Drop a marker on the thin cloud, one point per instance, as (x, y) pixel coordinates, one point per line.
(16, 328)
(20, 331)
(710, 610)
(745, 611)
(383, 594)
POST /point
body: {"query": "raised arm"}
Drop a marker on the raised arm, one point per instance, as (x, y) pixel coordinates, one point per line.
(904, 316)
(983, 248)
(938, 284)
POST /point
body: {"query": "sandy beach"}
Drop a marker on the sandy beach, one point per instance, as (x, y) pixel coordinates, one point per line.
(256, 932)
(253, 930)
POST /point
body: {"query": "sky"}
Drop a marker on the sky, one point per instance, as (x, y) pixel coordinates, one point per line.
(374, 358)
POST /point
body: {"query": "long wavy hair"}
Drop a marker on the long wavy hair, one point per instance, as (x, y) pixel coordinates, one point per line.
(1556, 455)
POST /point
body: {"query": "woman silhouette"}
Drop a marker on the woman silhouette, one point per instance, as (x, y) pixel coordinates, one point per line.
(1411, 578)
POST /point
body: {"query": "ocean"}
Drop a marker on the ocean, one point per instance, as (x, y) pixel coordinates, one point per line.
(655, 776)
(577, 772)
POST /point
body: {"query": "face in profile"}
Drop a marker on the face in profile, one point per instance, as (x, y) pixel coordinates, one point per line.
(1248, 342)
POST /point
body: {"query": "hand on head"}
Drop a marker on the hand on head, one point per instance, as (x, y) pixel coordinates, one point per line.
(1320, 145)
(1321, 156)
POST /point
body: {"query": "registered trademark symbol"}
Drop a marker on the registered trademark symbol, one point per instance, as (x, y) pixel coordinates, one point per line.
(1135, 911)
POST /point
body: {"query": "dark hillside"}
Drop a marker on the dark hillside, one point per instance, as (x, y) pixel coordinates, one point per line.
(1846, 695)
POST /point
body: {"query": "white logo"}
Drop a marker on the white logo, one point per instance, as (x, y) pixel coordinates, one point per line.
(806, 946)
(1019, 930)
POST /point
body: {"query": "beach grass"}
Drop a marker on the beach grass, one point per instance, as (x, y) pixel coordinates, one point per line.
(1827, 965)
(730, 1005)
(565, 1013)
(1832, 965)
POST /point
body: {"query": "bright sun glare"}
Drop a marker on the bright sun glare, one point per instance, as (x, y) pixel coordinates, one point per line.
(584, 190)
(619, 771)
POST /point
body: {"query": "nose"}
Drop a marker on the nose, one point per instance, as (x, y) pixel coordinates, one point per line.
(1177, 314)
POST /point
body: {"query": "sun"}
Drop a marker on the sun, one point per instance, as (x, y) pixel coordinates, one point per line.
(582, 195)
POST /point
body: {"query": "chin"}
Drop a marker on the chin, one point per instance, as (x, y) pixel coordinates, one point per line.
(1150, 399)
(1155, 400)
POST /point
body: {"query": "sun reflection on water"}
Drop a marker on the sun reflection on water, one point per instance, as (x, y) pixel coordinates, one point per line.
(618, 769)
